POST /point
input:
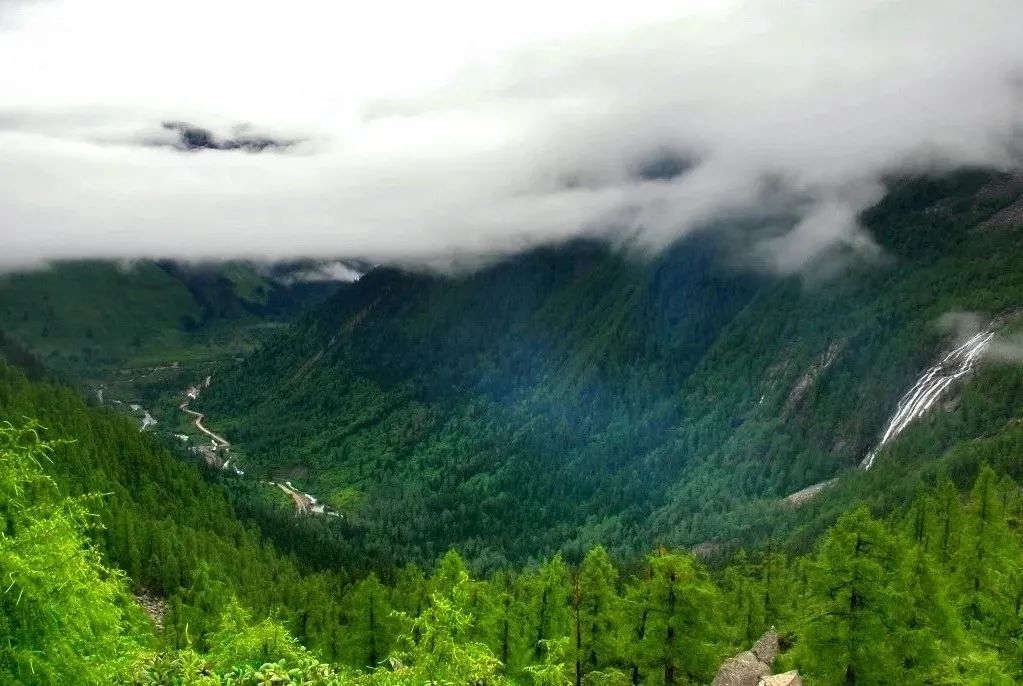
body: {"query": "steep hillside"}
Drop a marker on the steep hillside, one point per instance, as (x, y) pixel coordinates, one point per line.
(175, 534)
(577, 395)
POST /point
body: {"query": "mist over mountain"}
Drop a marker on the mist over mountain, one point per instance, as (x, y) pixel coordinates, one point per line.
(644, 122)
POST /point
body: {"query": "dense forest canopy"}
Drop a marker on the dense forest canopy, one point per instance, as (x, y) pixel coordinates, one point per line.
(931, 594)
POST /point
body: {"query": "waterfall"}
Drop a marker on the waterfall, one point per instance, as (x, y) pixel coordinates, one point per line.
(930, 387)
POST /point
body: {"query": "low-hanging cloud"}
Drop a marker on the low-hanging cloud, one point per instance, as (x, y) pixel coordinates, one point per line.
(1004, 346)
(434, 134)
(333, 271)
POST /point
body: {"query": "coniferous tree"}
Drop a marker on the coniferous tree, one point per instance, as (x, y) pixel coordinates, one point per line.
(946, 523)
(549, 590)
(857, 634)
(985, 558)
(637, 609)
(368, 630)
(683, 625)
(439, 646)
(597, 614)
(63, 614)
(744, 595)
(932, 627)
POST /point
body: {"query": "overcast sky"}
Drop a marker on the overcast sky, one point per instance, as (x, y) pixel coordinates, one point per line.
(436, 131)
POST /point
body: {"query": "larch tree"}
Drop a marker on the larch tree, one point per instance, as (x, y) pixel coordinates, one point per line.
(549, 589)
(684, 622)
(369, 624)
(853, 635)
(64, 616)
(597, 614)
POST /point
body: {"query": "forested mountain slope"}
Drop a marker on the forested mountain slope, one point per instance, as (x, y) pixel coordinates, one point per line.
(172, 531)
(579, 395)
(82, 316)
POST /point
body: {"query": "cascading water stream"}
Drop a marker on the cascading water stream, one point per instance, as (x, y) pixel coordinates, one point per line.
(930, 387)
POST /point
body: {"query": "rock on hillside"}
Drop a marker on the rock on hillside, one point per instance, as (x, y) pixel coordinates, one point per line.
(753, 667)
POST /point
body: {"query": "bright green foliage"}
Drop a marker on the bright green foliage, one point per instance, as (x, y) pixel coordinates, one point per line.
(188, 668)
(548, 590)
(554, 670)
(242, 652)
(933, 630)
(598, 615)
(986, 557)
(873, 601)
(745, 594)
(369, 623)
(173, 532)
(499, 620)
(64, 615)
(684, 625)
(942, 523)
(450, 573)
(637, 623)
(852, 638)
(871, 622)
(440, 648)
(239, 641)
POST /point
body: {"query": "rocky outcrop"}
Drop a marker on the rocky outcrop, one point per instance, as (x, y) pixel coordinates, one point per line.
(154, 606)
(753, 667)
(787, 679)
(807, 494)
(1003, 188)
(767, 648)
(817, 369)
(1005, 218)
(742, 670)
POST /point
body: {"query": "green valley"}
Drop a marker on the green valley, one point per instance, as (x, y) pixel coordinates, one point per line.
(567, 467)
(579, 395)
(929, 593)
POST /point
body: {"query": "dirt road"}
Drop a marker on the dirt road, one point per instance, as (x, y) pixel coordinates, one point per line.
(199, 416)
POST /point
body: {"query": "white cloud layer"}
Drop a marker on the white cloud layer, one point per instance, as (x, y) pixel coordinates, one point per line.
(327, 271)
(449, 130)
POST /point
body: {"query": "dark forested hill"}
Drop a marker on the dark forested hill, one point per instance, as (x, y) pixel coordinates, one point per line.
(80, 316)
(577, 394)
